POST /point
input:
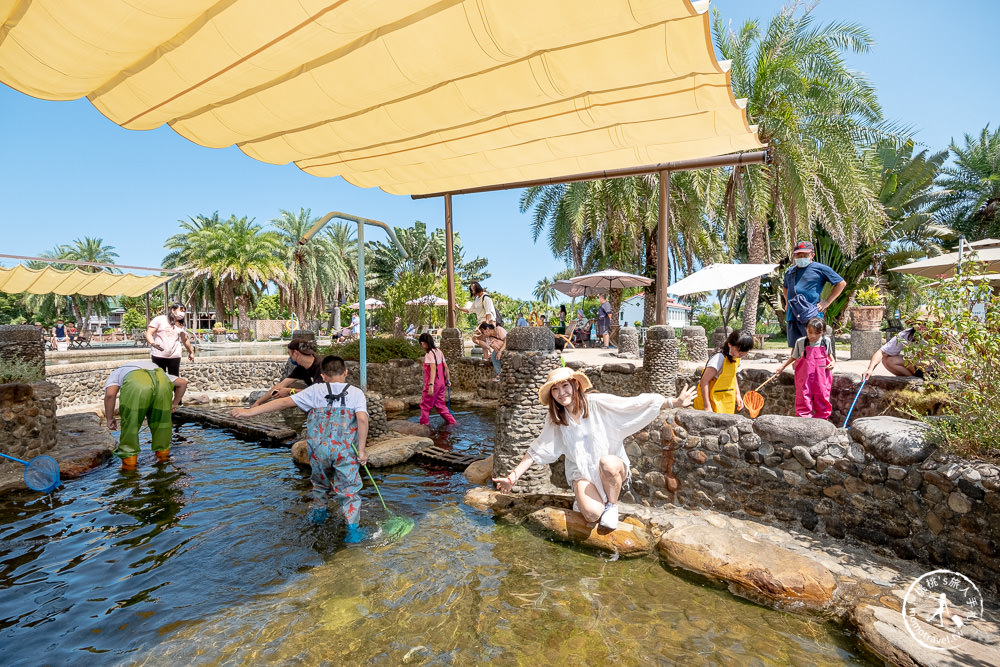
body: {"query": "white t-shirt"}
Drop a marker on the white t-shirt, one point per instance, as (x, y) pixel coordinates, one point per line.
(483, 306)
(166, 336)
(800, 346)
(611, 420)
(118, 375)
(314, 396)
(715, 361)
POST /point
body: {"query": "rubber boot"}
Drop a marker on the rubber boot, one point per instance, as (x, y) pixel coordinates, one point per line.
(128, 463)
(162, 455)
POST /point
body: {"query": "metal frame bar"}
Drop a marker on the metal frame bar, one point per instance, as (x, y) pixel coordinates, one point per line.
(51, 260)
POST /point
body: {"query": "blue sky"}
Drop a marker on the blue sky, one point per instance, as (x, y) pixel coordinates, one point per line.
(66, 171)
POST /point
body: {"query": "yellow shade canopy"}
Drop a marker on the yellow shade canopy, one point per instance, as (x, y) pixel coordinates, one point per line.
(66, 283)
(412, 96)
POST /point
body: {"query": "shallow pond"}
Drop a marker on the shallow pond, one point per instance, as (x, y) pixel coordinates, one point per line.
(210, 559)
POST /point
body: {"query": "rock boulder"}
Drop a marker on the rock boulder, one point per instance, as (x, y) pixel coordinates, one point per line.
(387, 451)
(893, 440)
(793, 430)
(754, 569)
(630, 538)
(481, 472)
(409, 428)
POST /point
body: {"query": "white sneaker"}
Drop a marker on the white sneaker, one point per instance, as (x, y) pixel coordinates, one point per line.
(609, 519)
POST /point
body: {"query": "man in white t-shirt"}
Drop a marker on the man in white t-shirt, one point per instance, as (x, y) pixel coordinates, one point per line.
(165, 335)
(143, 392)
(336, 430)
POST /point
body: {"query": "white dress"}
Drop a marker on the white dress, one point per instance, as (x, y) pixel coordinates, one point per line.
(611, 420)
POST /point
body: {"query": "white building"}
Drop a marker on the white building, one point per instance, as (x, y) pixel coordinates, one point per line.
(678, 315)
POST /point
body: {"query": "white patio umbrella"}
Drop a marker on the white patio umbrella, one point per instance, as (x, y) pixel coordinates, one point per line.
(717, 277)
(369, 304)
(429, 300)
(944, 265)
(610, 279)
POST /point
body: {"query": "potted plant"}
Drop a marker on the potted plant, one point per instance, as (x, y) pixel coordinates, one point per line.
(219, 332)
(867, 309)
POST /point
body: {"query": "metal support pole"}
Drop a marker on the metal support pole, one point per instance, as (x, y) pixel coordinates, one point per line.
(662, 254)
(363, 315)
(147, 308)
(450, 252)
(166, 299)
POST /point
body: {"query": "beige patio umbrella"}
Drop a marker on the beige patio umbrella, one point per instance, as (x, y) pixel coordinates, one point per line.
(944, 265)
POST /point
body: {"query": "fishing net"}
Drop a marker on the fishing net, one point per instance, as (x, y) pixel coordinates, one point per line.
(42, 474)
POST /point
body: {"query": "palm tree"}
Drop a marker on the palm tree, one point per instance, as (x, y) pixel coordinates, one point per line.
(314, 274)
(241, 259)
(814, 112)
(425, 254)
(89, 249)
(545, 292)
(344, 254)
(972, 205)
(186, 248)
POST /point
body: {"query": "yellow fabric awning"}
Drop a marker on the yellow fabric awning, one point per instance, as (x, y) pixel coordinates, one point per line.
(413, 96)
(66, 283)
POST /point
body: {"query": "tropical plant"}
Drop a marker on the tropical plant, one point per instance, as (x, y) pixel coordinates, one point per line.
(545, 292)
(972, 203)
(377, 350)
(408, 287)
(868, 296)
(269, 307)
(814, 113)
(240, 258)
(20, 370)
(316, 271)
(187, 248)
(958, 349)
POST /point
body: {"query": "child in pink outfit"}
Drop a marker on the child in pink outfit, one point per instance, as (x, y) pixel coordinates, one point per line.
(436, 382)
(814, 361)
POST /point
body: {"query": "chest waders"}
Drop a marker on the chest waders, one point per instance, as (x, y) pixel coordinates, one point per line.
(330, 433)
(144, 395)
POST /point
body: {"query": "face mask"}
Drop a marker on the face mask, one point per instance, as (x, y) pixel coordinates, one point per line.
(292, 361)
(179, 317)
(802, 262)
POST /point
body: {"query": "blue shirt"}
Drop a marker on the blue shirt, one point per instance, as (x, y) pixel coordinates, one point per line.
(809, 282)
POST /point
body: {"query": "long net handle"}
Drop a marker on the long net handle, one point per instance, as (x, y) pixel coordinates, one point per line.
(14, 458)
(365, 466)
(766, 381)
(856, 397)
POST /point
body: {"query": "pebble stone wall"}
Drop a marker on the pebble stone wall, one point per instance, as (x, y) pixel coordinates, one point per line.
(22, 343)
(660, 360)
(880, 483)
(27, 420)
(695, 343)
(628, 342)
(529, 358)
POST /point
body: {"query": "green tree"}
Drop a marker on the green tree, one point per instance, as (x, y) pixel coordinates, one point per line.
(133, 320)
(544, 291)
(240, 259)
(972, 182)
(186, 250)
(12, 307)
(315, 271)
(425, 253)
(815, 113)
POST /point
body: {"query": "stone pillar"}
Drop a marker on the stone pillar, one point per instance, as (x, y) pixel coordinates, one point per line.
(865, 343)
(22, 344)
(660, 360)
(696, 343)
(529, 357)
(628, 342)
(452, 345)
(304, 334)
(720, 336)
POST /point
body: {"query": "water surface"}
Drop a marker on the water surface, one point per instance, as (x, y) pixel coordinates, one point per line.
(210, 559)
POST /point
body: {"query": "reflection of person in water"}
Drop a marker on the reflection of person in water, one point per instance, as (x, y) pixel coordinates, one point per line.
(153, 500)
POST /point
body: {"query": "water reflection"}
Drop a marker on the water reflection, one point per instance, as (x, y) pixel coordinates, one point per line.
(211, 559)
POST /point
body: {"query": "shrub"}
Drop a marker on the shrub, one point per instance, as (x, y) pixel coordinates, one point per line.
(15, 370)
(958, 349)
(132, 320)
(380, 350)
(868, 296)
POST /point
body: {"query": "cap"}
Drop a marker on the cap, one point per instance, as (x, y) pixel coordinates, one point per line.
(303, 346)
(803, 246)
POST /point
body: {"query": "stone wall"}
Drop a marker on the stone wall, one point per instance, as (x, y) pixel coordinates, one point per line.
(880, 483)
(264, 329)
(27, 420)
(881, 395)
(22, 343)
(622, 378)
(83, 384)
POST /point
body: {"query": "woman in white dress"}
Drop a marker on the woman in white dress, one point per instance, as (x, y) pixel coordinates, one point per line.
(590, 429)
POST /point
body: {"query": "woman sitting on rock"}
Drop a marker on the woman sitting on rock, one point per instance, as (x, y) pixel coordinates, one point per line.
(590, 429)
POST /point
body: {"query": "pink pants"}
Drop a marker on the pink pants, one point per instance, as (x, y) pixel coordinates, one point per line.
(813, 383)
(436, 401)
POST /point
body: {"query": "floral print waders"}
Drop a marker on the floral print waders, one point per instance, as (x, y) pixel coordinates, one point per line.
(330, 433)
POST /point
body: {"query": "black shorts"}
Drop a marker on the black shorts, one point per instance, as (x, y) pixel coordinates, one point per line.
(170, 366)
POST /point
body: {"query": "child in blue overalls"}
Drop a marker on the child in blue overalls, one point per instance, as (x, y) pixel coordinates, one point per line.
(336, 425)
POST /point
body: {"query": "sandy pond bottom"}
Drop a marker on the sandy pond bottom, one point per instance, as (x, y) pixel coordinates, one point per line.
(210, 559)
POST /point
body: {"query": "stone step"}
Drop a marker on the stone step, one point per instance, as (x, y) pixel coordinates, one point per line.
(435, 454)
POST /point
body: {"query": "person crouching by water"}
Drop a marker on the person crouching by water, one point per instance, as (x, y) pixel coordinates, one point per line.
(814, 361)
(718, 390)
(302, 354)
(590, 429)
(436, 382)
(143, 392)
(336, 427)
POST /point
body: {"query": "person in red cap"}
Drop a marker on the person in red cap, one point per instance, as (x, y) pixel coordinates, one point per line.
(803, 286)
